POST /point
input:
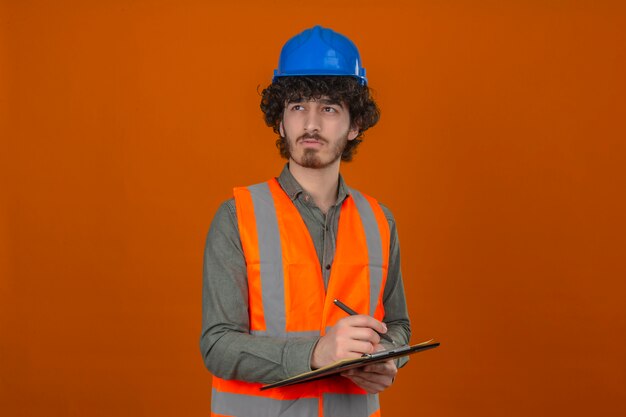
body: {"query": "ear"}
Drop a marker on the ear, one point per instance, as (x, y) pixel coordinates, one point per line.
(281, 129)
(353, 132)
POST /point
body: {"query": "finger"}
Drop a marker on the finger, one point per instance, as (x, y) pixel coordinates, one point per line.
(383, 368)
(362, 320)
(376, 373)
(379, 347)
(383, 381)
(359, 347)
(388, 364)
(369, 387)
(361, 333)
(372, 386)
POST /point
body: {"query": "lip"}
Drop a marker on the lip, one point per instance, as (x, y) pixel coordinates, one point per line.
(311, 142)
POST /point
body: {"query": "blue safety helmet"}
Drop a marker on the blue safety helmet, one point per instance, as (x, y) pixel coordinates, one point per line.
(320, 51)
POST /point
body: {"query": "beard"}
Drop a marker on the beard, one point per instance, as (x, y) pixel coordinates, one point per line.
(311, 158)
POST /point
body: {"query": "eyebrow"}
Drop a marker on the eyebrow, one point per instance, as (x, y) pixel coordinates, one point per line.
(330, 102)
(326, 101)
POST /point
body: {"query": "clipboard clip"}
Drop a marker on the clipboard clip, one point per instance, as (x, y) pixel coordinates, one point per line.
(386, 352)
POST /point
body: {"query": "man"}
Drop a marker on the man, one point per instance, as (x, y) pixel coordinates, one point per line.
(280, 252)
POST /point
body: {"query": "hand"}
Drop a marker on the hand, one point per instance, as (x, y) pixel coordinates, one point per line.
(373, 378)
(349, 338)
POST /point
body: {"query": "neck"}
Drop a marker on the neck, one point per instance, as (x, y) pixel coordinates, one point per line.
(321, 184)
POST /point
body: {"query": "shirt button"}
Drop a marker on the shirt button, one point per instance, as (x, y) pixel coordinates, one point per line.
(328, 266)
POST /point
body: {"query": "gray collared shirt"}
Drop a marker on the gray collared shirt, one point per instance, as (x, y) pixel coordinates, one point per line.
(229, 351)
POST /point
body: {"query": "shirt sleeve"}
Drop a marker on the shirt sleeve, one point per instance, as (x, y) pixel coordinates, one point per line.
(228, 349)
(396, 312)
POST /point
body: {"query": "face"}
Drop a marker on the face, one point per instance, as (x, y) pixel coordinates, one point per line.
(316, 131)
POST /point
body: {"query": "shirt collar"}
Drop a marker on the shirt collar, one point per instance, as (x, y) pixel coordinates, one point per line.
(294, 190)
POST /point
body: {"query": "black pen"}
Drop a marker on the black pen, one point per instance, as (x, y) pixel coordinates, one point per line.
(354, 313)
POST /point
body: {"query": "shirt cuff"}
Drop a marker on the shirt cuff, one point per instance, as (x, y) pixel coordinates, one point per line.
(297, 359)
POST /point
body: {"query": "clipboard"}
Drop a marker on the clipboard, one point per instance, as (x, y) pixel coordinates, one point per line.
(346, 364)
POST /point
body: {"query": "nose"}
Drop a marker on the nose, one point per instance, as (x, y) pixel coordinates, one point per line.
(312, 122)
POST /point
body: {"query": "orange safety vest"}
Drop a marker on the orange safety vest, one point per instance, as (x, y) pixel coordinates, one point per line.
(287, 296)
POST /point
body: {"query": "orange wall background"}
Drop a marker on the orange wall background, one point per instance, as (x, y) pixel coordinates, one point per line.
(501, 151)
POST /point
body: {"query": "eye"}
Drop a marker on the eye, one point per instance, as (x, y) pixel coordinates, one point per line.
(297, 107)
(329, 109)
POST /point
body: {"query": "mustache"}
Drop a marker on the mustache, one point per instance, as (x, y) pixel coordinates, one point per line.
(312, 136)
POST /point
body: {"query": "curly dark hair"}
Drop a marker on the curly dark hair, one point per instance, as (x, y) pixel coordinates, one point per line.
(364, 113)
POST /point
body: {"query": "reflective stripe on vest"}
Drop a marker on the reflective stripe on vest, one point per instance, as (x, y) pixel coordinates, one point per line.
(334, 405)
(287, 298)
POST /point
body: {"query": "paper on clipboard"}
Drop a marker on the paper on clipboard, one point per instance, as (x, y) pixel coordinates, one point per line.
(346, 364)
